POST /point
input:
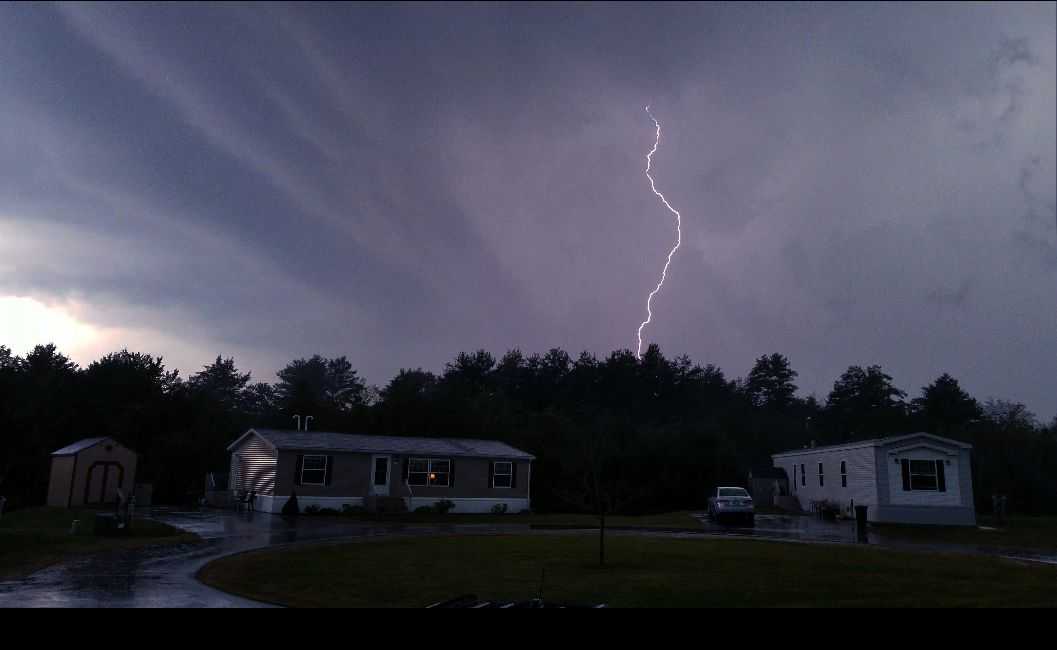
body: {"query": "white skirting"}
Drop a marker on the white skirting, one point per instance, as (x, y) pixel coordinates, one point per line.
(473, 506)
(274, 504)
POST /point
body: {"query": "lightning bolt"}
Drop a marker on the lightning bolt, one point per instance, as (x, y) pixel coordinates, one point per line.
(678, 231)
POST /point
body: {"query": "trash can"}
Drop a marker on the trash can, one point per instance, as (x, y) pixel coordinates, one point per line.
(860, 523)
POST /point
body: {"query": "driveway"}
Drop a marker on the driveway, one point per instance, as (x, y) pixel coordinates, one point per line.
(164, 576)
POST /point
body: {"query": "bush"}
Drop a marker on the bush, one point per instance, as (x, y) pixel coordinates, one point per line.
(424, 510)
(348, 509)
(291, 509)
(499, 509)
(329, 512)
(312, 510)
(443, 507)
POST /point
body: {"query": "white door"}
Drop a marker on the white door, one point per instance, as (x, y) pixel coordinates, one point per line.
(380, 476)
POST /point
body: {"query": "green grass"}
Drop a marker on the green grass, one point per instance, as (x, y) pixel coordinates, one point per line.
(643, 572)
(1027, 533)
(666, 520)
(33, 539)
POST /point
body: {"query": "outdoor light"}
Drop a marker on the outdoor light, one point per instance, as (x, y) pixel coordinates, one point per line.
(433, 477)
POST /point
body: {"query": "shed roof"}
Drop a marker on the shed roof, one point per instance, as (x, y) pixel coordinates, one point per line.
(357, 443)
(78, 446)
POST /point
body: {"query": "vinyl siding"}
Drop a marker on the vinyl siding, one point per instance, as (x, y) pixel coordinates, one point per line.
(253, 467)
(862, 486)
(896, 495)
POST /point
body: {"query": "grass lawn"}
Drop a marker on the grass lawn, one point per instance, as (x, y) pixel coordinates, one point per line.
(674, 520)
(1028, 533)
(643, 572)
(33, 539)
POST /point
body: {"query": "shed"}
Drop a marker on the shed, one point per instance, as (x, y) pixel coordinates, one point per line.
(768, 483)
(90, 472)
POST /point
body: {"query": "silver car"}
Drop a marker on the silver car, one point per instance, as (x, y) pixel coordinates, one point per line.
(731, 503)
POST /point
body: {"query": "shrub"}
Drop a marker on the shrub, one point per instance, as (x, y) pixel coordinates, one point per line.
(443, 507)
(291, 509)
(499, 509)
(349, 509)
(329, 512)
(424, 510)
(311, 510)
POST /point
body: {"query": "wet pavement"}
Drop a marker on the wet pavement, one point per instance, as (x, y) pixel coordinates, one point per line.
(164, 576)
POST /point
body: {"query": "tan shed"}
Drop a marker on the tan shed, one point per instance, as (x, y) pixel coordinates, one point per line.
(91, 472)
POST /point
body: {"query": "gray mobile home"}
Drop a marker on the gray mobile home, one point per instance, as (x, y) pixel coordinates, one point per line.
(335, 470)
(912, 479)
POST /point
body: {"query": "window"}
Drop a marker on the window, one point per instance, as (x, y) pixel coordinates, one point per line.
(314, 470)
(502, 475)
(843, 474)
(821, 477)
(794, 478)
(803, 476)
(432, 472)
(923, 476)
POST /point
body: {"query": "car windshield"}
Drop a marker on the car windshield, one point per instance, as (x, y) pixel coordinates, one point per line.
(733, 492)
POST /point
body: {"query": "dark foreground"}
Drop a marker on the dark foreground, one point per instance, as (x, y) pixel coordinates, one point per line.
(642, 572)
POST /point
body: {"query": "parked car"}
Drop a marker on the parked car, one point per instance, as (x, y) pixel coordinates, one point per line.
(728, 503)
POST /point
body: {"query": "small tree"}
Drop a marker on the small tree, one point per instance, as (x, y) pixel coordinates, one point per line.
(599, 492)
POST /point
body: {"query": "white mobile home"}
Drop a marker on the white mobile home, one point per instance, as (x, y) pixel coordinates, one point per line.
(913, 479)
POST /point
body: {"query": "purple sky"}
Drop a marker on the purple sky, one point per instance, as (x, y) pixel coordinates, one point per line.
(859, 184)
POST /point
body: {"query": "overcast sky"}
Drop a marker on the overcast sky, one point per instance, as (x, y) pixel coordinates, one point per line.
(860, 184)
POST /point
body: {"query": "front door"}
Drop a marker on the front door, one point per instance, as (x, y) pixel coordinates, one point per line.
(380, 476)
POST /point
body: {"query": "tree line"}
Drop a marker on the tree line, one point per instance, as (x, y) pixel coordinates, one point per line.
(670, 428)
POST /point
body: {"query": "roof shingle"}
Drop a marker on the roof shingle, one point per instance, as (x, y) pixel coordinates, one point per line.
(326, 441)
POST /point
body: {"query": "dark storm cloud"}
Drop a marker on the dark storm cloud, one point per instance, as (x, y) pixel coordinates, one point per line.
(860, 184)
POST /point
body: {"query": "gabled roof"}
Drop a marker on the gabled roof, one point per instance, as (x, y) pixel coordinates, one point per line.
(79, 446)
(878, 442)
(356, 443)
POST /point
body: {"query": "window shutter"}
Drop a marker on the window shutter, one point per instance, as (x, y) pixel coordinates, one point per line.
(451, 472)
(328, 472)
(491, 474)
(513, 474)
(941, 475)
(298, 468)
(906, 474)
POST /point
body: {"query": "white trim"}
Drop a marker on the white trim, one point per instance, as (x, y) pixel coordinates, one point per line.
(430, 472)
(381, 490)
(879, 442)
(233, 446)
(305, 457)
(509, 475)
(938, 450)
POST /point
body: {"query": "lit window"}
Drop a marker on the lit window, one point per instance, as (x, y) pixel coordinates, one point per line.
(432, 472)
(502, 475)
